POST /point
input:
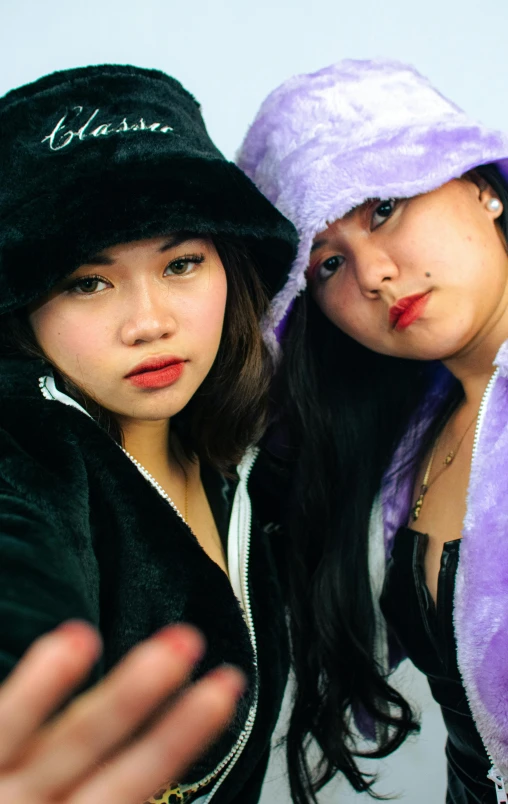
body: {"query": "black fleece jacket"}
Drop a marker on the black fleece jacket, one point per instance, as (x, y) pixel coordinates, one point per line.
(84, 535)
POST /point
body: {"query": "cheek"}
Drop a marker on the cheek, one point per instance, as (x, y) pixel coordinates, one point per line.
(69, 341)
(205, 313)
(355, 316)
(343, 306)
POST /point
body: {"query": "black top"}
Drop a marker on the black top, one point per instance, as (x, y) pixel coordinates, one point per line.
(425, 631)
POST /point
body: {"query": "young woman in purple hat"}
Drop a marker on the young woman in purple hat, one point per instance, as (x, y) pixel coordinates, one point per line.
(394, 413)
(134, 267)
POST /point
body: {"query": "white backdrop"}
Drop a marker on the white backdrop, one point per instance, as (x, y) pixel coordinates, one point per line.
(230, 54)
(416, 774)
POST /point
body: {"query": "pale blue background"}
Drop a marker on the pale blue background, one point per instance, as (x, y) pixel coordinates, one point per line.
(230, 54)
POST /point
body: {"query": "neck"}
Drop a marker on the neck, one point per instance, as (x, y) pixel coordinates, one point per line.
(473, 366)
(147, 441)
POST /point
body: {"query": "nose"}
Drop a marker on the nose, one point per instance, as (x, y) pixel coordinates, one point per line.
(148, 315)
(374, 267)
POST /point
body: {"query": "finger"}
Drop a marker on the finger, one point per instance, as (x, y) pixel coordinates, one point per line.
(171, 746)
(46, 675)
(107, 715)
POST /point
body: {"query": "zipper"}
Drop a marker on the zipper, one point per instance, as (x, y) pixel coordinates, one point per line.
(240, 526)
(481, 413)
(165, 496)
(241, 517)
(494, 775)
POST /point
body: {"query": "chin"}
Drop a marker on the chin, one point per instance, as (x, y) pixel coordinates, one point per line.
(153, 404)
(155, 413)
(424, 355)
(147, 409)
(425, 350)
(429, 343)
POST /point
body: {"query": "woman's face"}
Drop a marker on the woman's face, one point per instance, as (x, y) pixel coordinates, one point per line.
(138, 328)
(424, 277)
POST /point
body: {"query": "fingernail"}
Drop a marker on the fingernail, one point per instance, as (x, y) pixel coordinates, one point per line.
(80, 634)
(184, 640)
(230, 677)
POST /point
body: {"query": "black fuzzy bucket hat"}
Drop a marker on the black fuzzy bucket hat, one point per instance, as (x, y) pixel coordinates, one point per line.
(109, 154)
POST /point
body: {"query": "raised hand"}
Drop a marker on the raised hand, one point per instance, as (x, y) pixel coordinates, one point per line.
(105, 745)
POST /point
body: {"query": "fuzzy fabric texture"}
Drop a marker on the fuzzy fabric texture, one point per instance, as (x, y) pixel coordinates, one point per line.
(323, 143)
(84, 535)
(94, 156)
(481, 589)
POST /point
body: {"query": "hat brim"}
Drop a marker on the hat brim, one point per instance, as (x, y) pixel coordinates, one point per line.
(408, 164)
(51, 235)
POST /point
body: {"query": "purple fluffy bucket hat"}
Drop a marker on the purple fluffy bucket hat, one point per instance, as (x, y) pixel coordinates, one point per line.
(325, 142)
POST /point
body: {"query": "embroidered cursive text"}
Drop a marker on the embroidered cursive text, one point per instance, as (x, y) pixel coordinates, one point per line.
(66, 131)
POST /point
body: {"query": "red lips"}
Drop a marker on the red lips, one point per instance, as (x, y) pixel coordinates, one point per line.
(408, 310)
(156, 372)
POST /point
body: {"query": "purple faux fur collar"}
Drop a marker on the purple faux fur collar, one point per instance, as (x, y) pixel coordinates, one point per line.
(481, 594)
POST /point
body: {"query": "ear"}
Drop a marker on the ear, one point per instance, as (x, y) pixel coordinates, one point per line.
(491, 202)
(487, 196)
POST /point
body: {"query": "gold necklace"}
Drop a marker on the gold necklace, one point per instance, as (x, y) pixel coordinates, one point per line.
(425, 486)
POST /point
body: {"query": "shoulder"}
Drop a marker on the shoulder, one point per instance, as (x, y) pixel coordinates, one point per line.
(40, 441)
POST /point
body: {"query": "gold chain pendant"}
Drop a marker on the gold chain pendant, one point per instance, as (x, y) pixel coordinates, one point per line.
(171, 795)
(415, 511)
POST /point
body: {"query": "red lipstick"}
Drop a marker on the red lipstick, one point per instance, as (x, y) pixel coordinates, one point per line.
(157, 372)
(408, 310)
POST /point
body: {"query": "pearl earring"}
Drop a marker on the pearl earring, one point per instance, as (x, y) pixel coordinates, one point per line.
(494, 204)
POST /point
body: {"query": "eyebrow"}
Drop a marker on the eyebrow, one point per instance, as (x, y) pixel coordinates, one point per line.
(177, 239)
(172, 241)
(344, 217)
(98, 259)
(317, 244)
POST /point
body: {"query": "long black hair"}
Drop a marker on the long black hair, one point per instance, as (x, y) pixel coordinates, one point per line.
(343, 409)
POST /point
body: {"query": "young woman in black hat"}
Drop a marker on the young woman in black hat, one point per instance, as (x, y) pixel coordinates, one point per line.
(134, 262)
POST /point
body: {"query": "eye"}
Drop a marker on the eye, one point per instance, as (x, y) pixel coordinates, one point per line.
(88, 285)
(382, 211)
(183, 265)
(327, 268)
